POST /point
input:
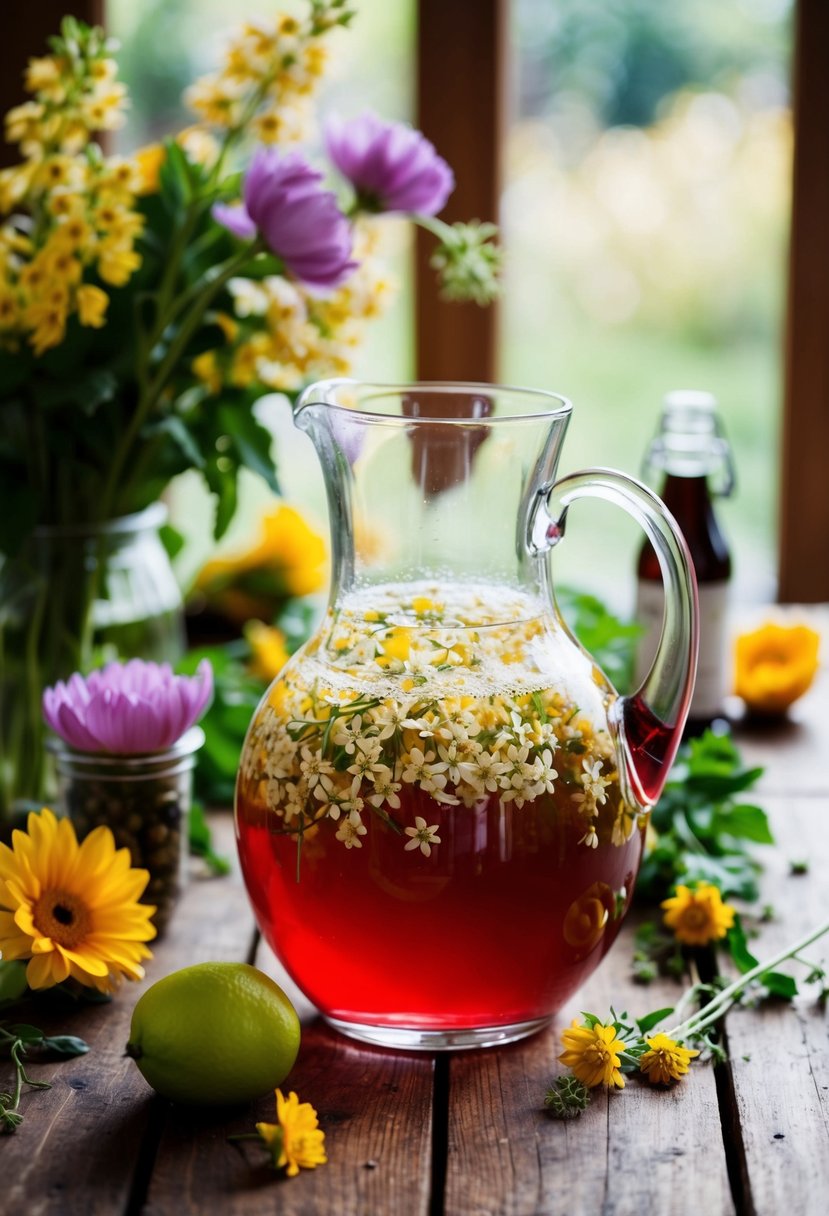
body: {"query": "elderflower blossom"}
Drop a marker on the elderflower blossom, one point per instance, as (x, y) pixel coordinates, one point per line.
(423, 836)
(343, 729)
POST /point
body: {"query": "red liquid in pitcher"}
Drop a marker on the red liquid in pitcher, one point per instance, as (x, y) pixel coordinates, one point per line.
(499, 925)
(429, 815)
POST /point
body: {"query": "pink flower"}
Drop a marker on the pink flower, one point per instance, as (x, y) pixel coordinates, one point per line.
(300, 222)
(128, 709)
(391, 166)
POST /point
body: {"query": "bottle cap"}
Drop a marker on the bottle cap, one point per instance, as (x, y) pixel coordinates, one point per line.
(690, 441)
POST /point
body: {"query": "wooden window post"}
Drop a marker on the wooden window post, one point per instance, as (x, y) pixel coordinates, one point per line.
(461, 69)
(804, 494)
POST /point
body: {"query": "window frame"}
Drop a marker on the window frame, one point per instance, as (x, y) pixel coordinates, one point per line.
(462, 61)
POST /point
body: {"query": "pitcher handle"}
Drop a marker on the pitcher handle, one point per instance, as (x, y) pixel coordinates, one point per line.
(649, 722)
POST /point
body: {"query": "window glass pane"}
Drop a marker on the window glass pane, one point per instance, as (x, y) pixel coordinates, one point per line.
(646, 212)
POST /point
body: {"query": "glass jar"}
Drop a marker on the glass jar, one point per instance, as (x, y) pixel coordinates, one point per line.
(144, 800)
(72, 599)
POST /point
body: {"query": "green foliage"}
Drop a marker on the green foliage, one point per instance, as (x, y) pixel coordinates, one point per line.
(621, 57)
(567, 1097)
(609, 640)
(702, 828)
(201, 842)
(16, 1042)
(235, 697)
(775, 983)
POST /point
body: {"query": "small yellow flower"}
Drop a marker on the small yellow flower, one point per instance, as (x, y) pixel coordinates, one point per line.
(206, 368)
(698, 915)
(774, 666)
(92, 304)
(665, 1060)
(72, 909)
(397, 645)
(268, 652)
(592, 1053)
(295, 1141)
(48, 323)
(148, 161)
(116, 262)
(42, 73)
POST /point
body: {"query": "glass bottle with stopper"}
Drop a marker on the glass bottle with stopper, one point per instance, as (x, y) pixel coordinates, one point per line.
(694, 458)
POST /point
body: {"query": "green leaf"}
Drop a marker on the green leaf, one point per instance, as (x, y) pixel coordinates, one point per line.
(65, 1045)
(174, 177)
(27, 1034)
(173, 426)
(12, 981)
(778, 984)
(296, 622)
(172, 540)
(653, 1019)
(201, 841)
(741, 956)
(609, 640)
(252, 443)
(747, 823)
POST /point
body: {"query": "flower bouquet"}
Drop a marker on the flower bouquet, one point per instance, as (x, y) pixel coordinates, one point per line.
(148, 302)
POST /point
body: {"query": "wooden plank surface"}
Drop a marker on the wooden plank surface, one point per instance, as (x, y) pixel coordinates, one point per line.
(630, 1153)
(779, 1054)
(79, 1149)
(375, 1108)
(465, 1135)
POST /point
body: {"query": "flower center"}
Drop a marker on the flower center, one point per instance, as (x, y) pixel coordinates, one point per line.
(696, 917)
(62, 916)
(598, 1053)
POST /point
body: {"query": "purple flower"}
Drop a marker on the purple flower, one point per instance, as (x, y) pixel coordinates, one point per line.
(391, 166)
(301, 222)
(127, 708)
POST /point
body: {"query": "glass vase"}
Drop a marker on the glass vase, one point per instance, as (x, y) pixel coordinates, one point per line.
(144, 800)
(72, 599)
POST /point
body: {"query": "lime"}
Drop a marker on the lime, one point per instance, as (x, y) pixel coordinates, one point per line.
(214, 1034)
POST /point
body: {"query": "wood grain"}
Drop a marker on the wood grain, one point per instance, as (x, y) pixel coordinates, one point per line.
(779, 1054)
(375, 1109)
(461, 86)
(80, 1144)
(630, 1153)
(804, 503)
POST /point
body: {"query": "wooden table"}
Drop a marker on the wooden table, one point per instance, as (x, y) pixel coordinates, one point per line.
(466, 1134)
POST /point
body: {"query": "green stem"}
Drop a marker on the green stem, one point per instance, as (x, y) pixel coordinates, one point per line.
(720, 1004)
(150, 397)
(10, 1117)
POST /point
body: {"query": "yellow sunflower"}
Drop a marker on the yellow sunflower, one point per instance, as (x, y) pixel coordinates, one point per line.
(72, 909)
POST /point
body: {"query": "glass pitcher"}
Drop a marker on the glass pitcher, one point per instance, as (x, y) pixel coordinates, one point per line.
(441, 803)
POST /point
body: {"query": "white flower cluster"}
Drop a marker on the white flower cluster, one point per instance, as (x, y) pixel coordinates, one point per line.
(321, 749)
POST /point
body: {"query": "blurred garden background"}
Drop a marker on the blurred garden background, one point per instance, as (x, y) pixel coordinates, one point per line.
(644, 214)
